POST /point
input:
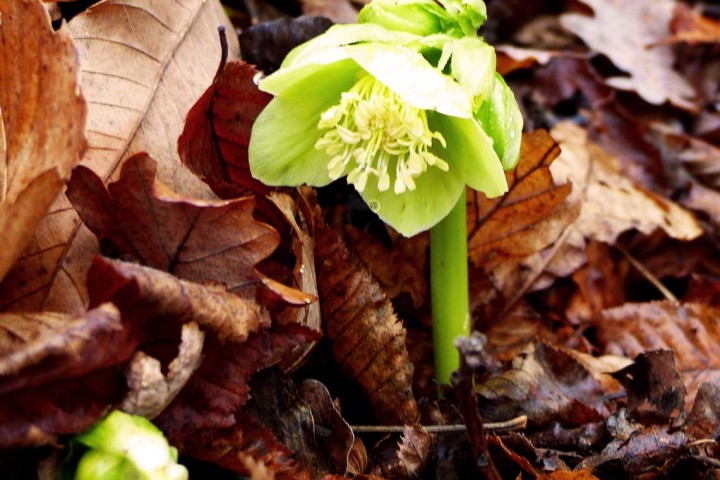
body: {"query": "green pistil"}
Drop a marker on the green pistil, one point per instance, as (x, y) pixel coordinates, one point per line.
(374, 132)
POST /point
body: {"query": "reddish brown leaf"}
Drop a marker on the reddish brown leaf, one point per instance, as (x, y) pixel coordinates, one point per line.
(57, 372)
(145, 292)
(690, 26)
(368, 340)
(653, 377)
(690, 330)
(526, 219)
(43, 114)
(138, 218)
(704, 419)
(214, 143)
(576, 475)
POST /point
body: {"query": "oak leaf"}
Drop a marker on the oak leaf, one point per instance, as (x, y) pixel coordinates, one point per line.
(42, 120)
(690, 330)
(627, 32)
(143, 65)
(529, 217)
(366, 337)
(138, 218)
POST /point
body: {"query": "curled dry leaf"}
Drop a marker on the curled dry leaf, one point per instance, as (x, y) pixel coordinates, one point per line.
(150, 293)
(214, 142)
(334, 437)
(547, 384)
(704, 418)
(339, 11)
(144, 63)
(137, 217)
(151, 391)
(367, 339)
(627, 32)
(690, 330)
(57, 372)
(690, 26)
(529, 217)
(42, 124)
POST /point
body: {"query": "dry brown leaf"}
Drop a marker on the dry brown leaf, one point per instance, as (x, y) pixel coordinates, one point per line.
(609, 204)
(690, 330)
(399, 269)
(43, 114)
(138, 218)
(143, 291)
(144, 63)
(690, 26)
(576, 475)
(150, 390)
(526, 219)
(627, 31)
(57, 372)
(367, 339)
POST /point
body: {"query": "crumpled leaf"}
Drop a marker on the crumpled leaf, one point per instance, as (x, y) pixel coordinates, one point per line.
(690, 330)
(366, 337)
(266, 44)
(42, 121)
(547, 384)
(704, 418)
(627, 32)
(653, 377)
(416, 446)
(334, 437)
(150, 390)
(400, 269)
(700, 158)
(526, 219)
(137, 217)
(609, 203)
(214, 142)
(57, 372)
(339, 11)
(143, 65)
(139, 290)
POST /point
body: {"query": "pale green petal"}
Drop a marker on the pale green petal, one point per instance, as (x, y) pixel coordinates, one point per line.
(470, 153)
(342, 35)
(421, 17)
(407, 73)
(282, 145)
(500, 117)
(418, 210)
(473, 66)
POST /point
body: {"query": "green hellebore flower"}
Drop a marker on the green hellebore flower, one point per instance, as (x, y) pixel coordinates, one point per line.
(124, 447)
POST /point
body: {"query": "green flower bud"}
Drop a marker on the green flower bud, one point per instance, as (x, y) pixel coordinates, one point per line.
(420, 17)
(125, 447)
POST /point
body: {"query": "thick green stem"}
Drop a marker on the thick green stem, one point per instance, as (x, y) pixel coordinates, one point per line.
(449, 289)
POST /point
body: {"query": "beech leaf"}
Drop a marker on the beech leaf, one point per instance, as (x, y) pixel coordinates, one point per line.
(137, 217)
(144, 63)
(42, 121)
(366, 337)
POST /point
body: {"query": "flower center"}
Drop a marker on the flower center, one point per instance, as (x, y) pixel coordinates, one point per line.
(372, 130)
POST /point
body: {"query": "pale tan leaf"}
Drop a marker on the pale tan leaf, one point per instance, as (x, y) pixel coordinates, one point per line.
(144, 63)
(627, 31)
(151, 391)
(690, 330)
(44, 118)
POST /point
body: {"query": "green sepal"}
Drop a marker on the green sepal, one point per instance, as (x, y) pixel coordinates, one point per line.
(470, 14)
(501, 118)
(473, 66)
(415, 211)
(100, 465)
(419, 17)
(282, 144)
(469, 154)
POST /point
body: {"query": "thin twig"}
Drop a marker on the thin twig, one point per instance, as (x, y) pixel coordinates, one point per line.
(512, 424)
(649, 276)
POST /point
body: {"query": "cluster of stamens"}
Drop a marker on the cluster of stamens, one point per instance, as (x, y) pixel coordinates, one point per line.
(372, 130)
